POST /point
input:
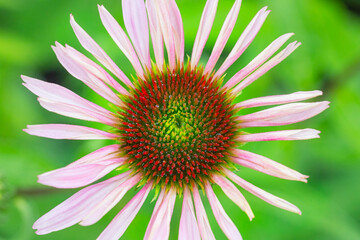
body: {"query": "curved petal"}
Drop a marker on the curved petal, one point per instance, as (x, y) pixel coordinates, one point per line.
(222, 218)
(66, 131)
(285, 135)
(90, 45)
(224, 35)
(136, 23)
(206, 22)
(75, 208)
(202, 220)
(273, 200)
(159, 225)
(265, 165)
(121, 222)
(120, 38)
(244, 41)
(234, 194)
(278, 99)
(282, 115)
(188, 228)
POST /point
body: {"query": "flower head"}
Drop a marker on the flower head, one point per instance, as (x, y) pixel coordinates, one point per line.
(175, 125)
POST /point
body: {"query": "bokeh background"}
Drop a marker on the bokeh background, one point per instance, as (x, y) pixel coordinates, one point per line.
(329, 60)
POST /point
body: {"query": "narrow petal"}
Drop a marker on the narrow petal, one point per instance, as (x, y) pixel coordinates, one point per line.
(85, 170)
(136, 23)
(120, 38)
(244, 41)
(223, 36)
(258, 60)
(90, 45)
(65, 131)
(278, 99)
(222, 218)
(75, 208)
(159, 225)
(55, 98)
(188, 228)
(265, 165)
(156, 34)
(234, 194)
(110, 200)
(178, 30)
(299, 134)
(121, 222)
(206, 22)
(282, 115)
(273, 200)
(202, 220)
(266, 67)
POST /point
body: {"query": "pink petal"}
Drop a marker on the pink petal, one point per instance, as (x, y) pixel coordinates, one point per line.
(120, 38)
(266, 67)
(278, 99)
(121, 222)
(258, 60)
(159, 225)
(88, 72)
(206, 22)
(223, 36)
(273, 200)
(282, 115)
(188, 227)
(265, 165)
(234, 194)
(244, 41)
(58, 99)
(90, 45)
(65, 131)
(156, 34)
(75, 208)
(222, 218)
(135, 19)
(202, 220)
(299, 134)
(110, 200)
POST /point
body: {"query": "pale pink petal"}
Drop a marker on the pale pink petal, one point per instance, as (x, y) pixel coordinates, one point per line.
(234, 194)
(61, 100)
(202, 220)
(258, 60)
(178, 30)
(223, 36)
(75, 208)
(266, 67)
(90, 45)
(188, 228)
(156, 34)
(278, 99)
(265, 165)
(221, 217)
(299, 134)
(206, 22)
(85, 170)
(81, 68)
(244, 41)
(273, 200)
(65, 131)
(282, 115)
(110, 200)
(120, 38)
(120, 223)
(159, 225)
(135, 19)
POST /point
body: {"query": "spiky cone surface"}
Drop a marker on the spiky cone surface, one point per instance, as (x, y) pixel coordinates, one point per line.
(175, 126)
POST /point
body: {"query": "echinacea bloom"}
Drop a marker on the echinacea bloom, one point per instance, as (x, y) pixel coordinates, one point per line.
(175, 126)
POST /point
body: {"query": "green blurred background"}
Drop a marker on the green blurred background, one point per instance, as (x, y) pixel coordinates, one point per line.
(329, 60)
